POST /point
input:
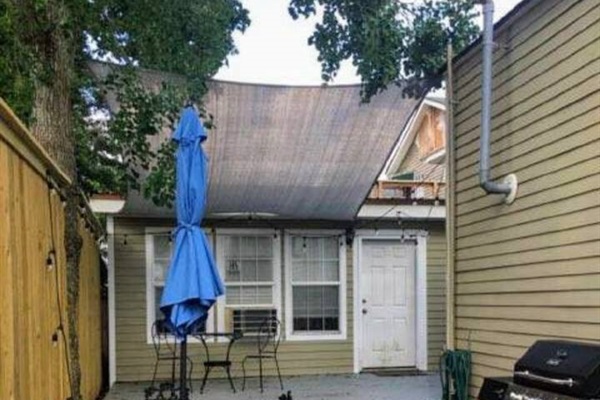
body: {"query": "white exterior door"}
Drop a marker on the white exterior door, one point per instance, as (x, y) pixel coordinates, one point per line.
(387, 304)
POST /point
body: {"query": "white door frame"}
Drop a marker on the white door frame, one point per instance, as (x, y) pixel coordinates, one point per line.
(420, 237)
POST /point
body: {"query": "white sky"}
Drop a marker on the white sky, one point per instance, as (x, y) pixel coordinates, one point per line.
(274, 48)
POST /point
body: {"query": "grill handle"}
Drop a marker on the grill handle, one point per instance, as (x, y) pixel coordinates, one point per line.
(560, 382)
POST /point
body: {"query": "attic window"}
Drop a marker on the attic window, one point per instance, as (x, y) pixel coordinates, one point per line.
(405, 176)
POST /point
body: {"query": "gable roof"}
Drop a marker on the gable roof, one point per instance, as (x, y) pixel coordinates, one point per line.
(409, 135)
(293, 152)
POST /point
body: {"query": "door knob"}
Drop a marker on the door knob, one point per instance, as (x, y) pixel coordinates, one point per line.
(364, 310)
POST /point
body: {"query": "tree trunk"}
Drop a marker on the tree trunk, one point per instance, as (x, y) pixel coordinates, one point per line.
(52, 127)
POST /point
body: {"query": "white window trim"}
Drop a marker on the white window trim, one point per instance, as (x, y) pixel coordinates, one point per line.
(420, 237)
(149, 233)
(308, 336)
(221, 306)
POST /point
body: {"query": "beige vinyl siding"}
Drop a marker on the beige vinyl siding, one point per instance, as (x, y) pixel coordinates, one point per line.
(135, 358)
(427, 172)
(531, 269)
(412, 163)
(436, 296)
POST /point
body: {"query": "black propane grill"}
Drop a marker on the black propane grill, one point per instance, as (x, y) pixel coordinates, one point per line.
(550, 370)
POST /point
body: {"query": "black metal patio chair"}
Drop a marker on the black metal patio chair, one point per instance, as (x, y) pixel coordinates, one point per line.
(166, 350)
(268, 343)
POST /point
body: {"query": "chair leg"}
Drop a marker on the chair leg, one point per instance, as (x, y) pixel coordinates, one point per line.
(278, 373)
(229, 377)
(261, 374)
(172, 383)
(244, 372)
(206, 371)
(191, 364)
(154, 373)
(149, 391)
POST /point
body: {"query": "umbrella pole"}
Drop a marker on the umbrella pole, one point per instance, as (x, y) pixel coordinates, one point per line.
(183, 392)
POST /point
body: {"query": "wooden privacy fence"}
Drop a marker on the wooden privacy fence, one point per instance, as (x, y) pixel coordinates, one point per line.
(33, 295)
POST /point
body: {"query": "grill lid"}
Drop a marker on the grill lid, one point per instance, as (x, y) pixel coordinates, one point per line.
(563, 367)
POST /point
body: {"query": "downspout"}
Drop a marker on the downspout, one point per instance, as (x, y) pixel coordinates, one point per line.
(508, 186)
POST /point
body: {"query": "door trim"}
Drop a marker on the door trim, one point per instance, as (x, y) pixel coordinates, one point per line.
(420, 237)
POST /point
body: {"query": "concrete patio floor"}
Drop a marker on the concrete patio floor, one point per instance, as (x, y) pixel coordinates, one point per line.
(350, 387)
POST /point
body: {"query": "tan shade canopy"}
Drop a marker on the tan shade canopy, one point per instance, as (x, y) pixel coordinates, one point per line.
(295, 152)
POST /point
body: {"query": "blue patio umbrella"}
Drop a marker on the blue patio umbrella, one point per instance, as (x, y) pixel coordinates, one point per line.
(193, 282)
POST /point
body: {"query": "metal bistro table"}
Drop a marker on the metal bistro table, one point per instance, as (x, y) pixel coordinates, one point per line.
(218, 363)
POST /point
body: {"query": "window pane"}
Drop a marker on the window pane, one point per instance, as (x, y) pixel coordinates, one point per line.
(157, 296)
(315, 259)
(300, 306)
(248, 295)
(232, 271)
(248, 270)
(297, 247)
(331, 271)
(313, 246)
(160, 271)
(233, 250)
(233, 295)
(316, 308)
(162, 246)
(264, 247)
(299, 271)
(264, 295)
(315, 270)
(248, 246)
(264, 270)
(331, 248)
(249, 261)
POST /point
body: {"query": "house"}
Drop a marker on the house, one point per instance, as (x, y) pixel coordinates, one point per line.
(290, 170)
(529, 269)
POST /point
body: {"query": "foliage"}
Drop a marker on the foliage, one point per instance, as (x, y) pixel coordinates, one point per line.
(16, 67)
(189, 38)
(389, 41)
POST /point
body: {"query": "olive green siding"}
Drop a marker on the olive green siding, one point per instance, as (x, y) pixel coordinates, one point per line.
(436, 296)
(135, 357)
(531, 269)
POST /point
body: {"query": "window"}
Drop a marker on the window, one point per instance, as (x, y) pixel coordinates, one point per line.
(158, 257)
(249, 263)
(315, 287)
(159, 247)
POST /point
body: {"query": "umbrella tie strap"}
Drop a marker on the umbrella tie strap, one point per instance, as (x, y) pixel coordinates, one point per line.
(187, 227)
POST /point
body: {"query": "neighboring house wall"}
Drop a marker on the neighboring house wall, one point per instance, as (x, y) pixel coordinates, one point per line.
(425, 172)
(530, 270)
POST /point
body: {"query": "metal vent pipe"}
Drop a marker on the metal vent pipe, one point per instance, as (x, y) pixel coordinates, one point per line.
(509, 186)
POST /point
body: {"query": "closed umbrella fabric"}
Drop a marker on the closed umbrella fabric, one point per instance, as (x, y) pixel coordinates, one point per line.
(193, 282)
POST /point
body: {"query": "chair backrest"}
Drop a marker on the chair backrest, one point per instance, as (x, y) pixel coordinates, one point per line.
(268, 335)
(162, 339)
